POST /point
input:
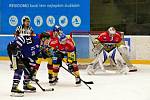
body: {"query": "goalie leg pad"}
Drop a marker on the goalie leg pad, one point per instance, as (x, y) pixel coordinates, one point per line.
(119, 58)
(97, 63)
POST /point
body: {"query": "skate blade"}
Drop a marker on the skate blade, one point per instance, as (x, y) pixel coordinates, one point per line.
(52, 84)
(77, 85)
(17, 94)
(29, 91)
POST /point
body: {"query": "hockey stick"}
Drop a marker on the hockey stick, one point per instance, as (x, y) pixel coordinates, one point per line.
(51, 89)
(36, 81)
(85, 82)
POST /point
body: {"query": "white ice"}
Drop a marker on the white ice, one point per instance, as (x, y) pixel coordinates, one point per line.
(134, 86)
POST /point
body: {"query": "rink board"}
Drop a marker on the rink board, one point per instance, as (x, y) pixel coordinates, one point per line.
(88, 60)
(139, 50)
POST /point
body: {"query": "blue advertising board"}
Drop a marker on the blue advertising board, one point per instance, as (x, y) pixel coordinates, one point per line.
(44, 14)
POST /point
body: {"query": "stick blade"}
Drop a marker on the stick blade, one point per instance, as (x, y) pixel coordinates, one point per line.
(51, 89)
(90, 82)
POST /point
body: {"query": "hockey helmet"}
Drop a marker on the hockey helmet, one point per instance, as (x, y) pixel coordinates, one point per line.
(112, 30)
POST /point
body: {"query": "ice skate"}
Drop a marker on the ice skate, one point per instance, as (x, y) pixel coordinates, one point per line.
(15, 92)
(29, 88)
(78, 81)
(53, 81)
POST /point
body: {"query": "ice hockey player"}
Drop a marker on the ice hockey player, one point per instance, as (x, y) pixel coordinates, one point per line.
(66, 47)
(49, 43)
(44, 54)
(51, 52)
(57, 50)
(69, 48)
(22, 52)
(110, 41)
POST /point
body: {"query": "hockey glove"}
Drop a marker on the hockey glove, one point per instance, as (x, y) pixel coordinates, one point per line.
(70, 67)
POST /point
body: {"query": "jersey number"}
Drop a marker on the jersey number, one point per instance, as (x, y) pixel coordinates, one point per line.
(28, 40)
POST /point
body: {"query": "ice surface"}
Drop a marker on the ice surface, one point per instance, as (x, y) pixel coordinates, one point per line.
(134, 86)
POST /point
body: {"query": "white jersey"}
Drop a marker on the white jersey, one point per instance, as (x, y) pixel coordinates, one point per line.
(22, 31)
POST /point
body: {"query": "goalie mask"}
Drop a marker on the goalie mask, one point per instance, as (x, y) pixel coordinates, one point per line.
(112, 30)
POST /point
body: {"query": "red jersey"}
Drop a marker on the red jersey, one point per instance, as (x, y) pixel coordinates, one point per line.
(109, 42)
(106, 38)
(69, 46)
(54, 42)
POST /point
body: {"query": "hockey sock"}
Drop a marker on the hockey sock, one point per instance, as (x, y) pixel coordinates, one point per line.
(76, 70)
(55, 70)
(18, 74)
(50, 70)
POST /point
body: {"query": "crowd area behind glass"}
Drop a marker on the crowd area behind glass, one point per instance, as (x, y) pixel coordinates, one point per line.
(129, 16)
